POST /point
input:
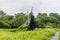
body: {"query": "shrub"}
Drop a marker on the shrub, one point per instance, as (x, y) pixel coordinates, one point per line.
(4, 25)
(49, 25)
(39, 24)
(23, 27)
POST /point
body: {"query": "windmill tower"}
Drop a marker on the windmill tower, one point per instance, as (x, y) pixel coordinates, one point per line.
(31, 24)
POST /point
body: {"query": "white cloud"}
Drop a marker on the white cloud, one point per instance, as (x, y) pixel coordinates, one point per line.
(13, 6)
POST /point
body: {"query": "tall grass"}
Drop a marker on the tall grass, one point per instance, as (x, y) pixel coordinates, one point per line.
(37, 34)
(59, 35)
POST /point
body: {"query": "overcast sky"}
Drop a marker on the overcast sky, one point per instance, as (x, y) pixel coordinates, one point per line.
(13, 6)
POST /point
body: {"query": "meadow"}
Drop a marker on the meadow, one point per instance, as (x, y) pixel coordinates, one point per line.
(36, 34)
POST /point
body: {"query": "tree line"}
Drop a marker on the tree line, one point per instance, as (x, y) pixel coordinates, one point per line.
(42, 20)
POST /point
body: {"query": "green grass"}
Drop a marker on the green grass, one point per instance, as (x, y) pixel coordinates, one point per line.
(59, 35)
(37, 34)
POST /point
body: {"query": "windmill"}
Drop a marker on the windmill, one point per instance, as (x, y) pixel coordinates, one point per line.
(31, 24)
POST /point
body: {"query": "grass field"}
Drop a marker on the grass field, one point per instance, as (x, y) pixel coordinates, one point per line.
(37, 34)
(59, 35)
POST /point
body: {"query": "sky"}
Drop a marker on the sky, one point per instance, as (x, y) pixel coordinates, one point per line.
(14, 6)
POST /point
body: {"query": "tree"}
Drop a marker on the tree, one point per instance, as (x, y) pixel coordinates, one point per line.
(20, 18)
(39, 15)
(2, 13)
(43, 20)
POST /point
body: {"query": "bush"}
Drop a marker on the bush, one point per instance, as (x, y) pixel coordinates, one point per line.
(49, 25)
(39, 24)
(4, 25)
(23, 27)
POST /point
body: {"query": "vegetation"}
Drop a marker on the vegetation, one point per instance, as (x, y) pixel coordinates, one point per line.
(15, 27)
(37, 34)
(59, 36)
(42, 20)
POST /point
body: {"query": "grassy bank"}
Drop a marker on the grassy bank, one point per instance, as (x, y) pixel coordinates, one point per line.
(37, 34)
